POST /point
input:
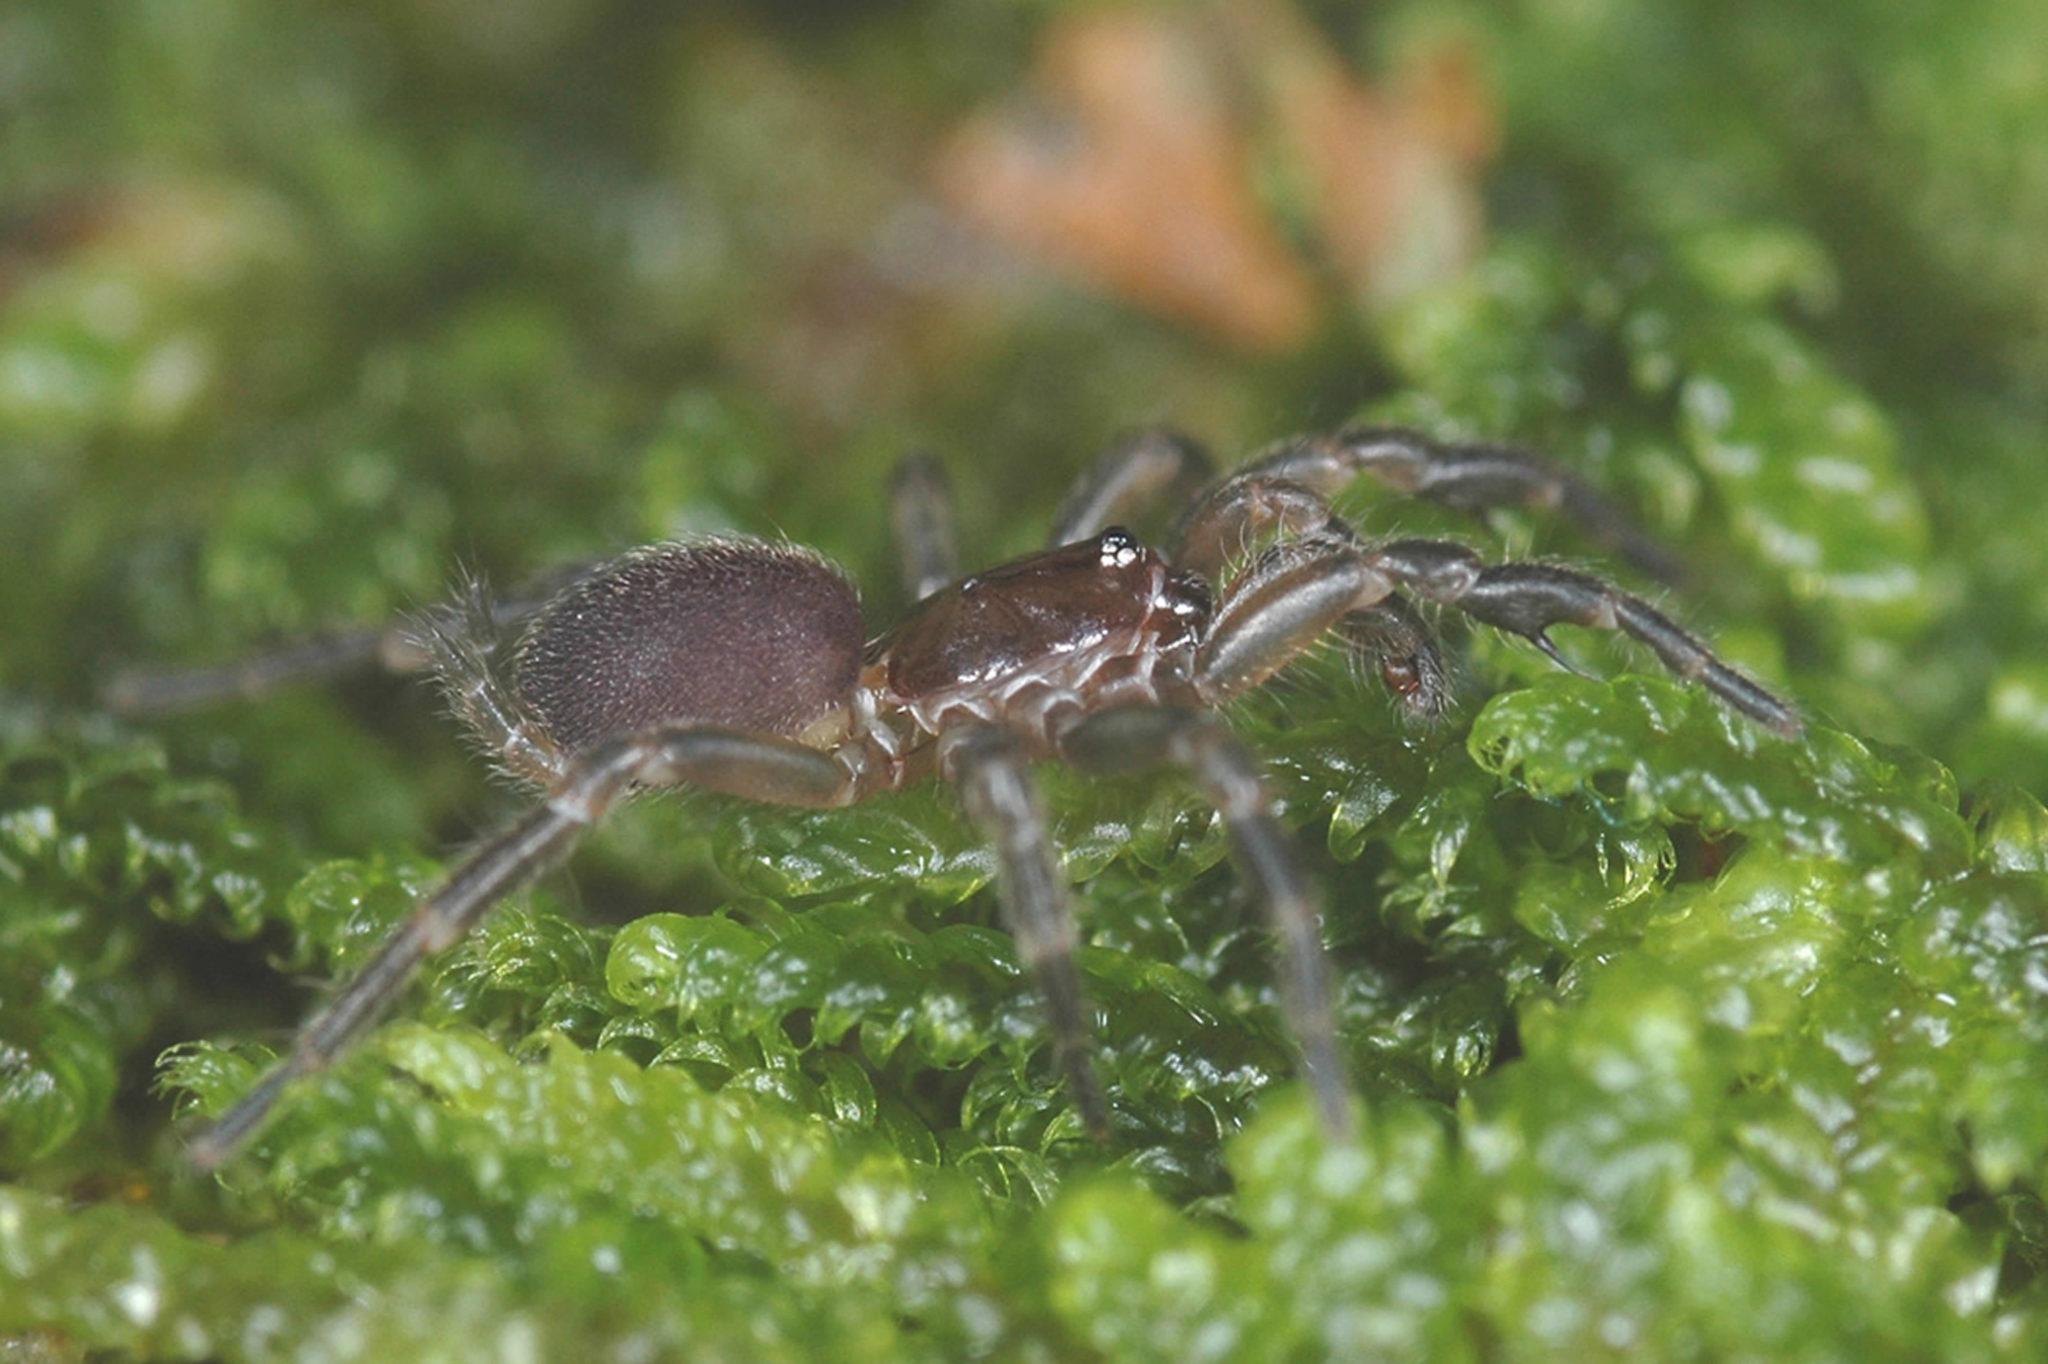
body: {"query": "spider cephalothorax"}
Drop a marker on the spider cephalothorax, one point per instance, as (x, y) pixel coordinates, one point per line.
(740, 666)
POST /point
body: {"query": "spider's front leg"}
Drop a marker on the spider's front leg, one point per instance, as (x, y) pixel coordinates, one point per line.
(755, 766)
(1299, 588)
(1133, 738)
(1382, 627)
(1278, 608)
(1527, 599)
(1470, 476)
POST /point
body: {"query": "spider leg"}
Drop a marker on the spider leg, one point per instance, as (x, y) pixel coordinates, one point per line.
(921, 511)
(396, 647)
(1136, 737)
(160, 691)
(1392, 637)
(1139, 468)
(1527, 599)
(759, 767)
(1470, 476)
(1239, 513)
(461, 642)
(1387, 632)
(1279, 607)
(1298, 588)
(990, 768)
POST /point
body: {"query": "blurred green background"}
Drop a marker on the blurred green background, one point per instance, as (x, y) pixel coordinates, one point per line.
(1672, 1040)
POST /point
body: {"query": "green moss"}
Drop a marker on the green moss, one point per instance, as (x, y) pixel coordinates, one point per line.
(1672, 1038)
(104, 857)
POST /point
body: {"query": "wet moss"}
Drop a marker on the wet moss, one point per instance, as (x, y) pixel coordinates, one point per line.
(1672, 1038)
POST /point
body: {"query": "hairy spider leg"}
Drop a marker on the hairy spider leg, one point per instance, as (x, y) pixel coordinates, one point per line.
(1133, 738)
(1298, 588)
(161, 691)
(1470, 476)
(921, 513)
(992, 772)
(1527, 599)
(396, 647)
(755, 766)
(1388, 634)
(1391, 637)
(1142, 467)
(1284, 602)
(461, 639)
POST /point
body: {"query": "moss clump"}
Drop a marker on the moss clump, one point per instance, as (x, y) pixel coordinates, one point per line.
(1672, 1039)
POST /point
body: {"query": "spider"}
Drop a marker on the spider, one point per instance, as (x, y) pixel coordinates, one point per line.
(742, 666)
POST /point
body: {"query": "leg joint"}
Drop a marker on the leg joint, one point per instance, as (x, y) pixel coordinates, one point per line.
(1441, 570)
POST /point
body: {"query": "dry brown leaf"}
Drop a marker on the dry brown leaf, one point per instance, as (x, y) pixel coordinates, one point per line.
(1131, 165)
(1133, 175)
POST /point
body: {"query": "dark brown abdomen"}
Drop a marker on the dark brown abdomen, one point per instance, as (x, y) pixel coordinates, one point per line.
(736, 633)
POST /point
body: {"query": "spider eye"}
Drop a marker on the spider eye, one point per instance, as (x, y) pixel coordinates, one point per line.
(1120, 548)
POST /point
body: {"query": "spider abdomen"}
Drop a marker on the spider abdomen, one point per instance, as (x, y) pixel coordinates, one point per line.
(742, 634)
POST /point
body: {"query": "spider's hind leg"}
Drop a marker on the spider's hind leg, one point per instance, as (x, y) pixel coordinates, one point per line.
(398, 647)
(760, 767)
(460, 641)
(161, 691)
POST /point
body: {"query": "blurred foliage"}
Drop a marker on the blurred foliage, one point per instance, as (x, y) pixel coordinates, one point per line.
(1672, 1039)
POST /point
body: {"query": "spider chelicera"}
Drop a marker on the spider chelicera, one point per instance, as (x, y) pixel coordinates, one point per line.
(743, 666)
